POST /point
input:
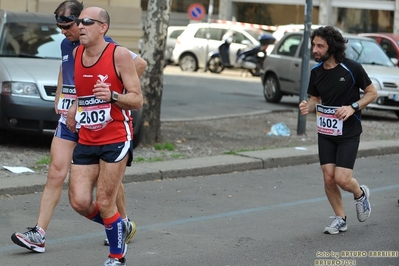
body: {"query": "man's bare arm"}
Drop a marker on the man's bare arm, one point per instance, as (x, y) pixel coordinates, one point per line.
(309, 106)
(140, 65)
(58, 91)
(126, 68)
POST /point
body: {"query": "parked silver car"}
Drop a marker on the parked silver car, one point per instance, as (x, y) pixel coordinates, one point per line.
(281, 73)
(30, 59)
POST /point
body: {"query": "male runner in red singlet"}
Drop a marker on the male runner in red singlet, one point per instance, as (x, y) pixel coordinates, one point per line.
(65, 140)
(102, 108)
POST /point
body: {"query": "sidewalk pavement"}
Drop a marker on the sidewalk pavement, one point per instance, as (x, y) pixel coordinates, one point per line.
(28, 183)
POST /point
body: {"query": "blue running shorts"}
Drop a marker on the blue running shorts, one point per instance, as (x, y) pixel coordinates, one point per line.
(63, 132)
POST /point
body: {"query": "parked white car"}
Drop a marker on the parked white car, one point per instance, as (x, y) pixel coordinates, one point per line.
(173, 33)
(193, 47)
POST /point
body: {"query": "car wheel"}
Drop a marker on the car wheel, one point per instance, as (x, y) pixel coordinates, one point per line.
(188, 62)
(255, 72)
(215, 65)
(271, 89)
(137, 117)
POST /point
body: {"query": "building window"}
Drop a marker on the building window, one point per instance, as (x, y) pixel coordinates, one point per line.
(181, 6)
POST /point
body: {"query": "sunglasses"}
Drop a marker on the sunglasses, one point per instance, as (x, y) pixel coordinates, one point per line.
(64, 19)
(87, 21)
(65, 27)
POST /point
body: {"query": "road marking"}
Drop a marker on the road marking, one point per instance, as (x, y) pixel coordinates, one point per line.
(70, 239)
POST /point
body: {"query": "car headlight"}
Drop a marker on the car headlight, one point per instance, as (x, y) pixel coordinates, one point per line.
(20, 89)
(376, 84)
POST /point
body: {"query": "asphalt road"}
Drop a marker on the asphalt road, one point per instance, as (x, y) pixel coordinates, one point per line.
(195, 95)
(266, 217)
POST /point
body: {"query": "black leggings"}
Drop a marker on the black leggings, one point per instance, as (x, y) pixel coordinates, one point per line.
(339, 151)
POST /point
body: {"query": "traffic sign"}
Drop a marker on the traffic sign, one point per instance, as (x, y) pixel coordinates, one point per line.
(196, 11)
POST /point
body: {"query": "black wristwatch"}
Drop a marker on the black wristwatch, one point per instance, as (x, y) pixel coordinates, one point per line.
(114, 96)
(355, 106)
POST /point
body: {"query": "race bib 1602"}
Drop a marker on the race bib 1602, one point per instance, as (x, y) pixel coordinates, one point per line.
(327, 123)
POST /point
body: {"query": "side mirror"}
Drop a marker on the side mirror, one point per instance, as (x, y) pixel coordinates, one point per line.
(246, 42)
(395, 61)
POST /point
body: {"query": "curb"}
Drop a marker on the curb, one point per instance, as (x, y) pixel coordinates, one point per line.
(20, 184)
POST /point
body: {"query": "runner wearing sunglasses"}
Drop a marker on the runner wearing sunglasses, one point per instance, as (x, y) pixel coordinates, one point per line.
(64, 141)
(105, 145)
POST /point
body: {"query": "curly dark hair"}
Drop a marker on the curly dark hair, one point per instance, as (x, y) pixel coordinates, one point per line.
(335, 41)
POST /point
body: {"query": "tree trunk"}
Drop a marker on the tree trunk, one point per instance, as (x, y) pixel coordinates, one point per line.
(155, 32)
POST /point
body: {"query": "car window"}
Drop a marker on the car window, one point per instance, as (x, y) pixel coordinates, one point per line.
(239, 37)
(255, 33)
(31, 40)
(388, 48)
(290, 45)
(175, 34)
(366, 52)
(216, 33)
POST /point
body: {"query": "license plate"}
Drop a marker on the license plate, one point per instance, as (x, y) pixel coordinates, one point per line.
(393, 97)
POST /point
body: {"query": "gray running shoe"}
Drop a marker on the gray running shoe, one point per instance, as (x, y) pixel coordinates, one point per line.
(115, 262)
(338, 225)
(131, 230)
(31, 239)
(363, 208)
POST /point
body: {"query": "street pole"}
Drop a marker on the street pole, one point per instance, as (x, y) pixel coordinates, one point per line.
(301, 129)
(208, 34)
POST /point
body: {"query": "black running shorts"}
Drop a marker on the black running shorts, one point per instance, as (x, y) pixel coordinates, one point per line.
(110, 153)
(339, 151)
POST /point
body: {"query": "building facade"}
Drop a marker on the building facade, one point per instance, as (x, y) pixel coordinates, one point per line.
(126, 28)
(128, 16)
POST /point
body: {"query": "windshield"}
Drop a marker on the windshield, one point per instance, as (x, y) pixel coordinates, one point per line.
(255, 33)
(31, 40)
(367, 52)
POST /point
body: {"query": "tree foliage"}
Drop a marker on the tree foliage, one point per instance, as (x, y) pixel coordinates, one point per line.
(254, 13)
(155, 32)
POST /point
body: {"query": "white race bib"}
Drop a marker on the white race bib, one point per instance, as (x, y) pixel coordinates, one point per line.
(67, 98)
(92, 113)
(326, 121)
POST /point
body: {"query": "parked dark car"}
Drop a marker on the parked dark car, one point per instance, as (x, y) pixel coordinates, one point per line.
(281, 73)
(30, 58)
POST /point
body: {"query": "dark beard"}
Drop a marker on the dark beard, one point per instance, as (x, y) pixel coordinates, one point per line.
(323, 57)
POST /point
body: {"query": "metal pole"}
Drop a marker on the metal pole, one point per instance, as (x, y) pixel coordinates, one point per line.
(301, 129)
(208, 34)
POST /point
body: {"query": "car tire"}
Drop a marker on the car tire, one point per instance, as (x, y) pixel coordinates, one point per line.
(188, 62)
(137, 117)
(215, 65)
(255, 72)
(271, 89)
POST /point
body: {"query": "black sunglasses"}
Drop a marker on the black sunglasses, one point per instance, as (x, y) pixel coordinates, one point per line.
(65, 27)
(64, 19)
(87, 21)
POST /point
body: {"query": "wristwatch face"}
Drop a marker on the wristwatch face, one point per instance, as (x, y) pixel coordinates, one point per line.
(355, 106)
(114, 96)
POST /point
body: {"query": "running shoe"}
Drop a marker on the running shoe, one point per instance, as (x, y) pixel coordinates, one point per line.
(363, 208)
(115, 262)
(338, 225)
(131, 229)
(31, 239)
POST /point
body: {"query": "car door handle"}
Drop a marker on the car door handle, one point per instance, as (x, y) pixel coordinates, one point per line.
(296, 65)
